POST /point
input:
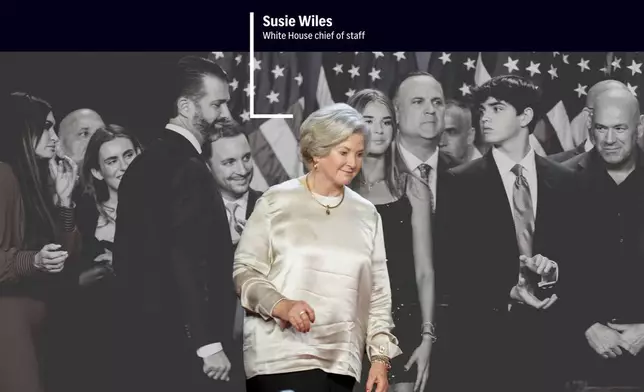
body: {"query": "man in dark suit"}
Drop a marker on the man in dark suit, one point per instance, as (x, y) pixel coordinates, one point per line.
(172, 256)
(420, 111)
(582, 120)
(564, 156)
(508, 223)
(606, 310)
(229, 156)
(230, 159)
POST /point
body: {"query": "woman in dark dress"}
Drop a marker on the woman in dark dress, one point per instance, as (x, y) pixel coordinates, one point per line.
(39, 242)
(109, 153)
(404, 204)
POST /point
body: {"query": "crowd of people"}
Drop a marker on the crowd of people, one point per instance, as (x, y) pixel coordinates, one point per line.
(428, 247)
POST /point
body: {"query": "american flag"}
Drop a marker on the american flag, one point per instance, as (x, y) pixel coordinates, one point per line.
(299, 83)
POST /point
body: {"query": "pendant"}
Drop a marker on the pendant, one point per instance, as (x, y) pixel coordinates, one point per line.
(327, 210)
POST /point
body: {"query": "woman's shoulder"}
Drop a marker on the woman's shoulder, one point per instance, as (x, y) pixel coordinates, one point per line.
(360, 202)
(281, 192)
(282, 188)
(7, 176)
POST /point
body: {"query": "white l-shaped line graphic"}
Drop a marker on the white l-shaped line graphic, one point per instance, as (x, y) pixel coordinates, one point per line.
(251, 71)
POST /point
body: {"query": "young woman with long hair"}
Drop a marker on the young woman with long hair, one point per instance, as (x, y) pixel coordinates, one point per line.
(38, 237)
(403, 201)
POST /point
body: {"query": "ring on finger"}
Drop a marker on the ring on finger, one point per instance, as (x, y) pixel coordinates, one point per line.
(302, 313)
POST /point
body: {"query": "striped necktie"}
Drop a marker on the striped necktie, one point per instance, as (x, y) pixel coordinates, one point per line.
(523, 219)
(425, 170)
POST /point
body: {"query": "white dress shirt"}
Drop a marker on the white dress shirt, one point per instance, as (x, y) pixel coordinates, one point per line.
(212, 348)
(588, 145)
(413, 162)
(505, 165)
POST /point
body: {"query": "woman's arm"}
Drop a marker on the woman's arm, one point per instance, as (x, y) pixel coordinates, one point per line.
(253, 264)
(14, 263)
(419, 197)
(380, 340)
(64, 175)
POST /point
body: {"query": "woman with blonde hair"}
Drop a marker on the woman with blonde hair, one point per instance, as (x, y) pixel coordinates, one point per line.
(311, 271)
(403, 201)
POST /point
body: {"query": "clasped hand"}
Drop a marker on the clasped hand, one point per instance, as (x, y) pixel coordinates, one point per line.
(522, 292)
(606, 340)
(217, 366)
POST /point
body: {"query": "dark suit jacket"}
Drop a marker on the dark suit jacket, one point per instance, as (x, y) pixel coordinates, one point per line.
(253, 195)
(445, 163)
(568, 154)
(173, 265)
(484, 266)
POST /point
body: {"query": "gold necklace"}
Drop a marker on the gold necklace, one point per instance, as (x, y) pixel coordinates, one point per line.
(328, 207)
(370, 185)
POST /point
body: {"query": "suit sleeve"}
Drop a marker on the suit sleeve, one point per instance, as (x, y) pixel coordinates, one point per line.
(189, 232)
(455, 260)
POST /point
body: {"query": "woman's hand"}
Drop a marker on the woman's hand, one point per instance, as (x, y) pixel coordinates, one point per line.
(101, 270)
(420, 357)
(296, 313)
(93, 275)
(378, 376)
(50, 259)
(64, 173)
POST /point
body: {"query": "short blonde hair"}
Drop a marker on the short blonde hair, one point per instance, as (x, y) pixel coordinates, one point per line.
(327, 127)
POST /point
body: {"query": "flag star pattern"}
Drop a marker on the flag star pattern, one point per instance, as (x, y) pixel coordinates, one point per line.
(299, 83)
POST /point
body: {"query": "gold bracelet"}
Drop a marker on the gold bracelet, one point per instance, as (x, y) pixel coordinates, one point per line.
(381, 359)
(431, 336)
(428, 329)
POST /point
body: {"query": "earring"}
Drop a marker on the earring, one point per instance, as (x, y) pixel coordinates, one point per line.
(315, 167)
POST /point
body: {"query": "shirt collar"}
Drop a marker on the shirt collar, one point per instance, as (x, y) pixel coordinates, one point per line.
(185, 133)
(588, 145)
(242, 201)
(413, 162)
(505, 163)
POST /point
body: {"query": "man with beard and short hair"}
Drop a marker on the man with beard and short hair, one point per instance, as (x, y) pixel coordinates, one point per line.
(172, 257)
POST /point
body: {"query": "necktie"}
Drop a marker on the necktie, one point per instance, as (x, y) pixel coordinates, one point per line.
(425, 170)
(523, 219)
(235, 227)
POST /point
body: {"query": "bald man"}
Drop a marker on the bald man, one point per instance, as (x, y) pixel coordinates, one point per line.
(75, 130)
(420, 111)
(606, 304)
(458, 138)
(579, 125)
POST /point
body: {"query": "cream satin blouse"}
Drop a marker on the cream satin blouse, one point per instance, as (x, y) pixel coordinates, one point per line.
(290, 248)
